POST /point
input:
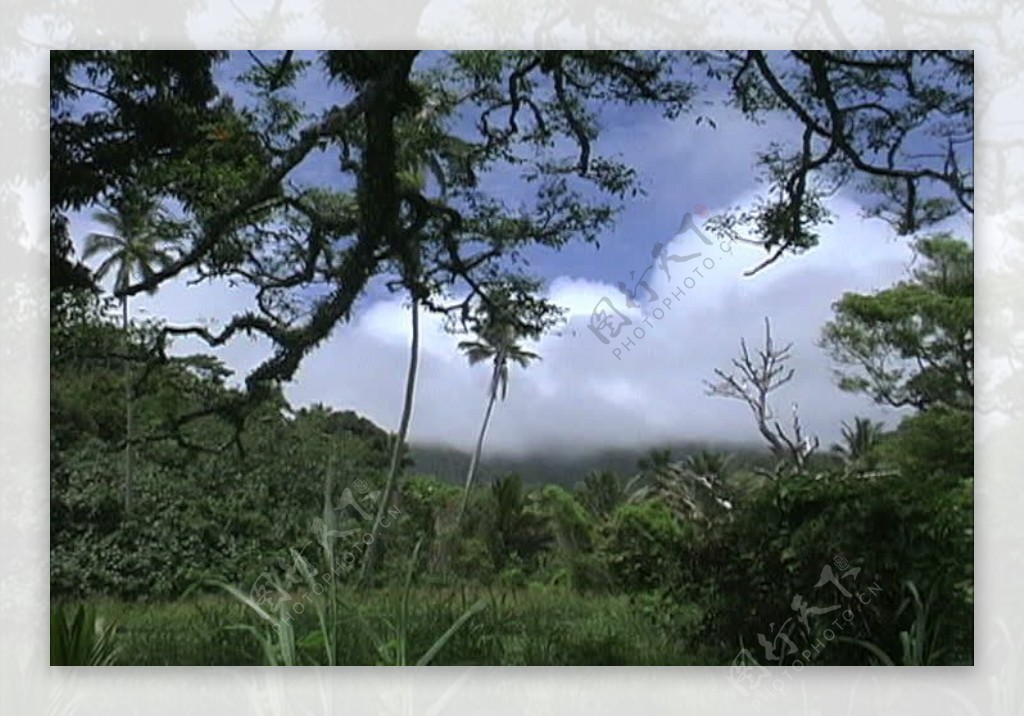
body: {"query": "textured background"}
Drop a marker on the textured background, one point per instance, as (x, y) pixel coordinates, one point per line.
(29, 686)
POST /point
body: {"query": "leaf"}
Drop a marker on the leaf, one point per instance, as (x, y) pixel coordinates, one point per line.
(452, 630)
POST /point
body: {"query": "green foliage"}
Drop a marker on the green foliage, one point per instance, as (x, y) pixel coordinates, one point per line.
(473, 559)
(500, 322)
(425, 501)
(855, 110)
(536, 626)
(81, 639)
(750, 570)
(601, 492)
(859, 449)
(938, 442)
(912, 344)
(708, 463)
(568, 520)
(134, 245)
(699, 497)
(229, 479)
(228, 166)
(275, 633)
(642, 542)
(509, 504)
(395, 651)
(224, 485)
(920, 643)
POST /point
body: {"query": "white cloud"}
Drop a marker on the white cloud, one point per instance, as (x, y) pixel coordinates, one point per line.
(581, 394)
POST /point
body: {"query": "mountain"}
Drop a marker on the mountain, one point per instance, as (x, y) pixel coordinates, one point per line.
(450, 464)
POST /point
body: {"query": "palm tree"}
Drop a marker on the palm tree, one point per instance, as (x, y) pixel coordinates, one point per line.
(397, 447)
(413, 167)
(509, 500)
(691, 493)
(716, 466)
(655, 460)
(497, 342)
(601, 492)
(859, 444)
(650, 467)
(134, 246)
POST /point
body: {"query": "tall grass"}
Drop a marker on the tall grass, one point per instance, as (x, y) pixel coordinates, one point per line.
(275, 630)
(529, 626)
(920, 644)
(394, 651)
(400, 625)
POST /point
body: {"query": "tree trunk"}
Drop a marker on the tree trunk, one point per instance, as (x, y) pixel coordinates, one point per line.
(127, 410)
(396, 451)
(475, 460)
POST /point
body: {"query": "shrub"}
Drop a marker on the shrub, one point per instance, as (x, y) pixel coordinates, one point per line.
(762, 568)
(642, 543)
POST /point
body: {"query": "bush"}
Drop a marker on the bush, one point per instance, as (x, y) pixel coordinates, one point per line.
(938, 442)
(642, 543)
(763, 568)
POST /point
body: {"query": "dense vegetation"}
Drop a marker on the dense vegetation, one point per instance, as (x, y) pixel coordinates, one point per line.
(212, 522)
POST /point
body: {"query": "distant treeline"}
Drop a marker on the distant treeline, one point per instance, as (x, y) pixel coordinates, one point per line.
(564, 469)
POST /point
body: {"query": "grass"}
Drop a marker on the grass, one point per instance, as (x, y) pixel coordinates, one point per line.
(920, 644)
(531, 626)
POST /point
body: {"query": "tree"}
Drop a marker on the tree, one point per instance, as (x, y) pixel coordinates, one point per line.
(691, 496)
(508, 499)
(752, 381)
(533, 114)
(134, 246)
(860, 443)
(518, 107)
(397, 447)
(912, 344)
(417, 155)
(411, 175)
(643, 542)
(145, 109)
(517, 102)
(496, 341)
(569, 522)
(935, 443)
(655, 460)
(714, 465)
(863, 117)
(601, 492)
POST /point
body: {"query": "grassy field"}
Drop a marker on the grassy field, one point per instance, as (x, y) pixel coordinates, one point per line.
(531, 626)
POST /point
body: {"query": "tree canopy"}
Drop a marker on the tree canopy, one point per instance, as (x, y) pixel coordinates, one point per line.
(912, 344)
(227, 162)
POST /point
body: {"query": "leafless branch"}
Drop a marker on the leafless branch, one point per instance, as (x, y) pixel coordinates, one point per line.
(753, 379)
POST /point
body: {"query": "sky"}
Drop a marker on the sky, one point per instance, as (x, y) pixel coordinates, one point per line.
(586, 394)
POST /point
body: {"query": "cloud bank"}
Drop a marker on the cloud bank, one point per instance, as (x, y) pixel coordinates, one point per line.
(643, 387)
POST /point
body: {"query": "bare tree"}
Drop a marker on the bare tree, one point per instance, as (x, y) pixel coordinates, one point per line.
(752, 380)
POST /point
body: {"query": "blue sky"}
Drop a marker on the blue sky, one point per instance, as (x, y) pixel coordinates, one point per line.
(582, 395)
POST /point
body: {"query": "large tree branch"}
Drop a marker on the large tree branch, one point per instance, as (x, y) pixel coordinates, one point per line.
(222, 222)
